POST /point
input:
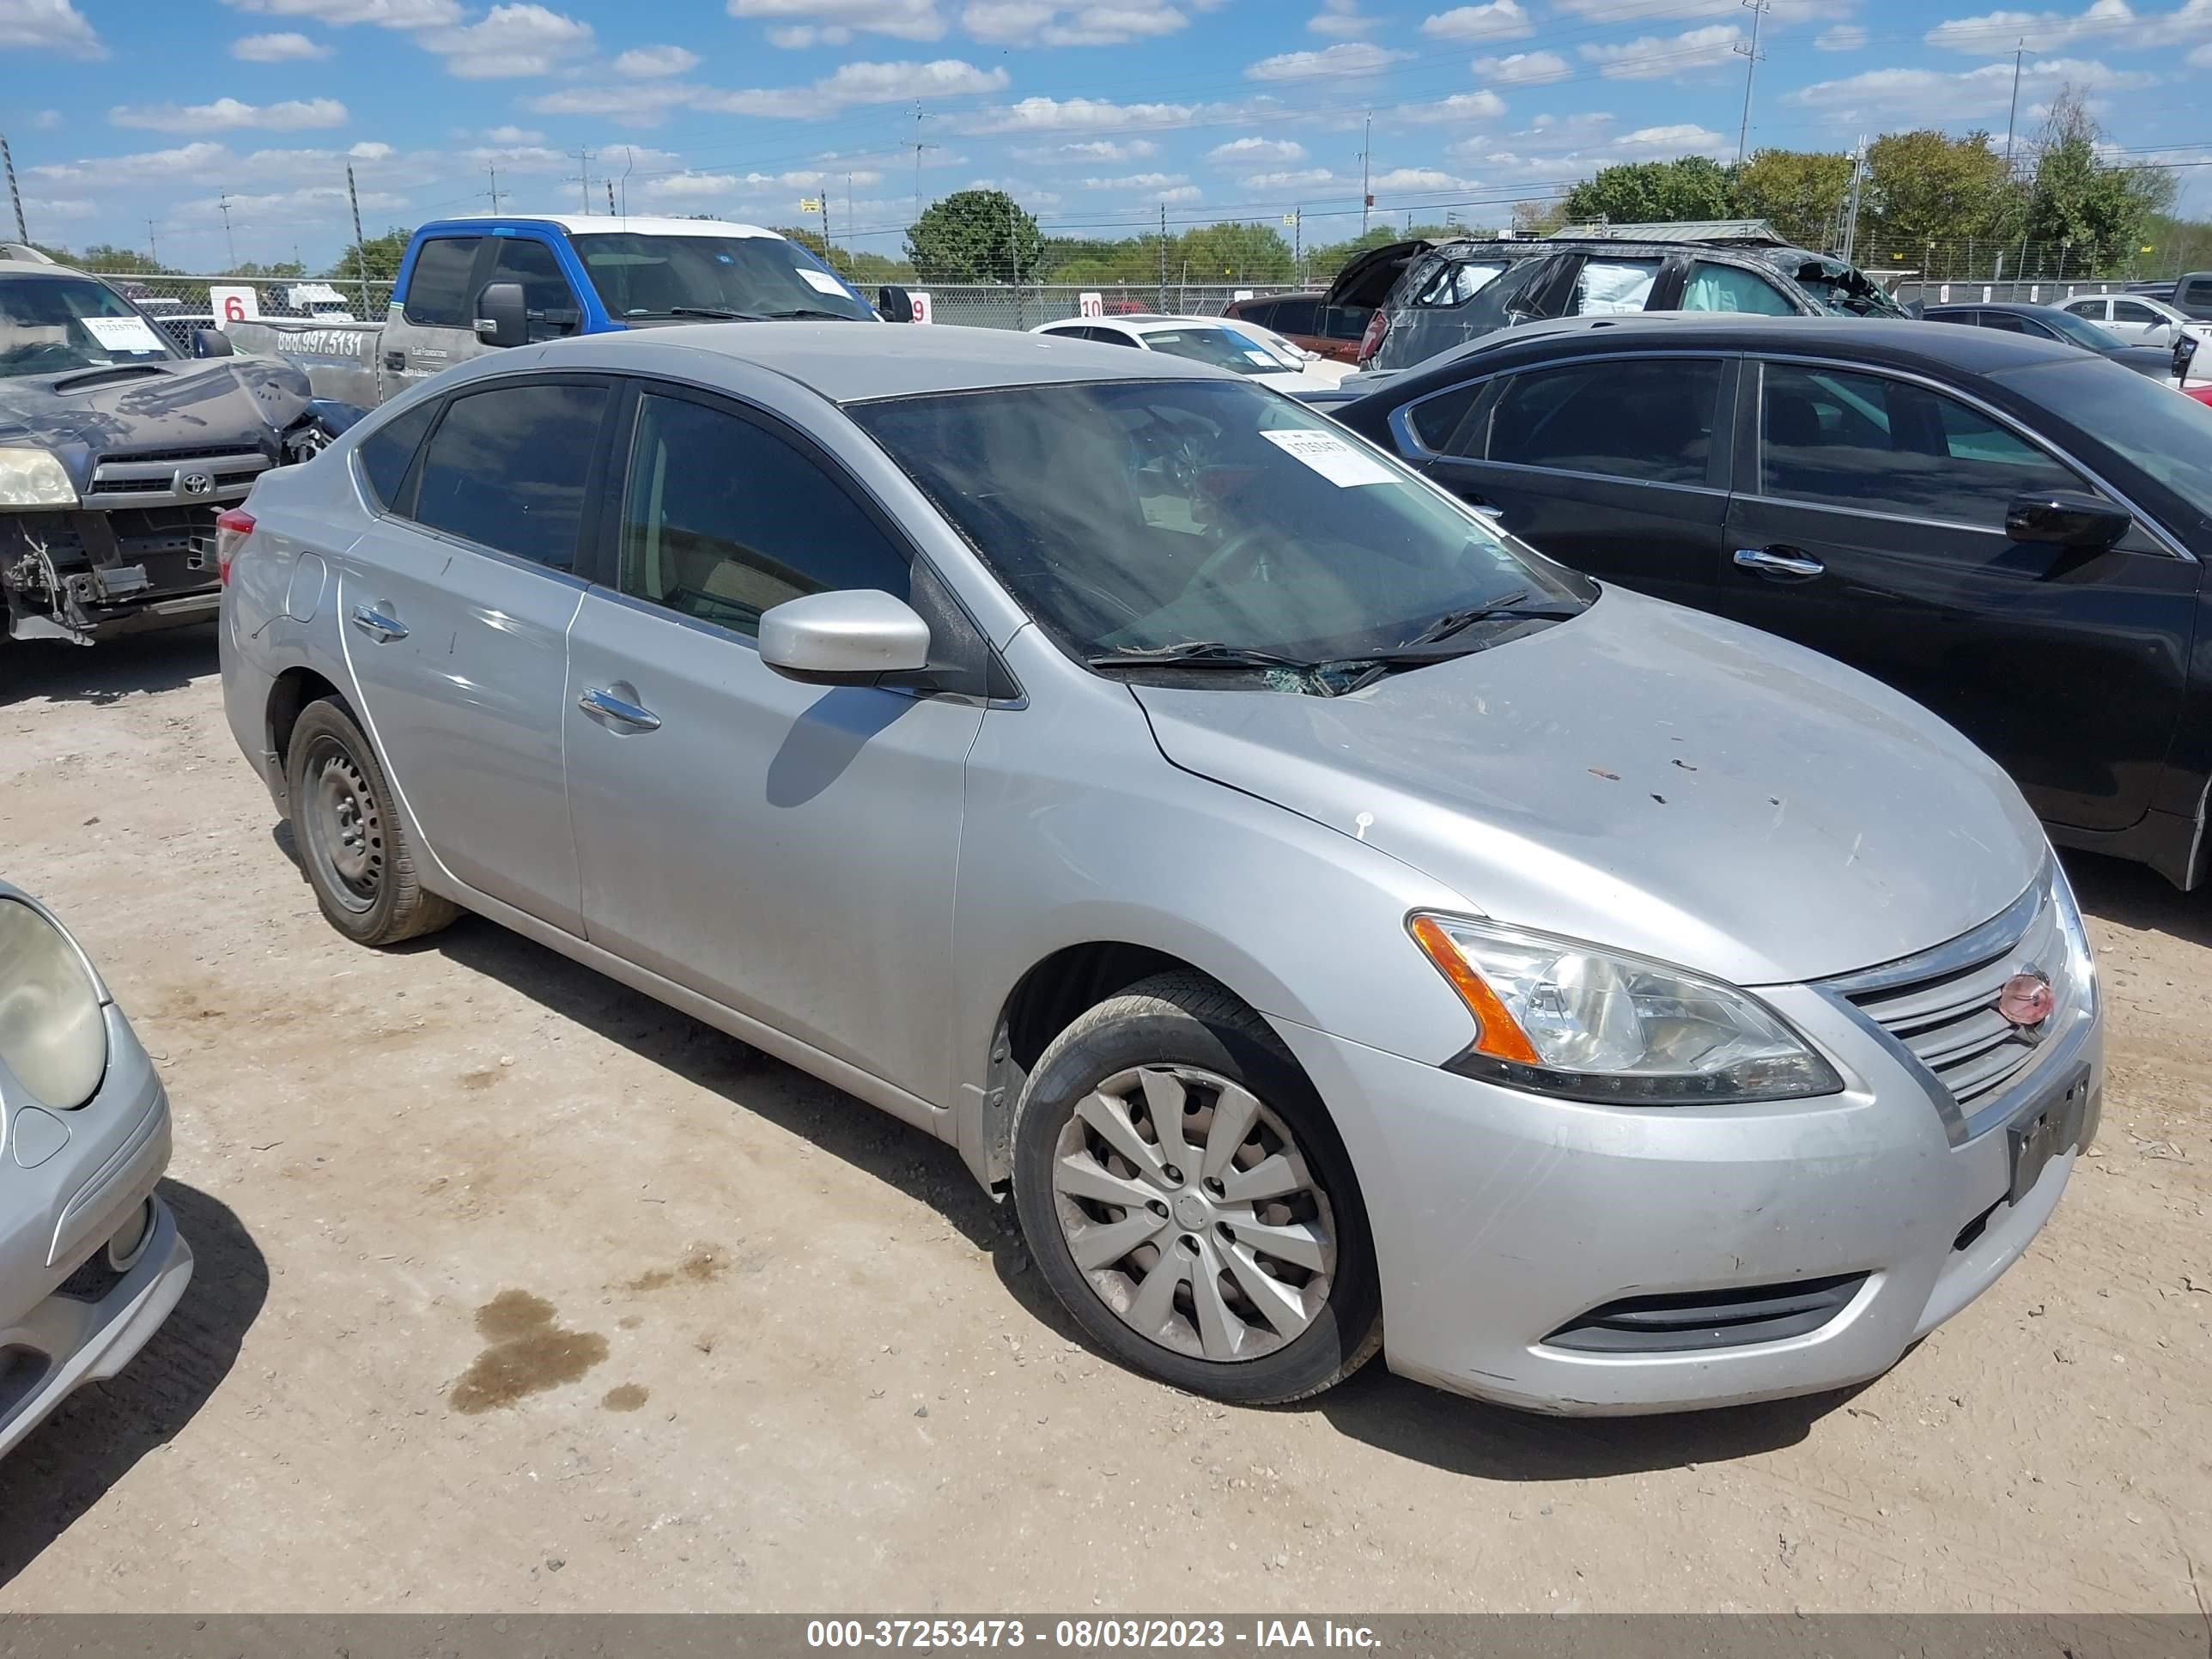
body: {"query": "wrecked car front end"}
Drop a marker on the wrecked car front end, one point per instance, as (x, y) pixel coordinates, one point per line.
(116, 454)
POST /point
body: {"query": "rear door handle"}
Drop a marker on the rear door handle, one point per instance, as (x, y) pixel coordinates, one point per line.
(1781, 561)
(615, 709)
(377, 625)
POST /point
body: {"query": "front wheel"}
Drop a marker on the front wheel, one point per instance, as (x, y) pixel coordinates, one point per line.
(1186, 1197)
(356, 853)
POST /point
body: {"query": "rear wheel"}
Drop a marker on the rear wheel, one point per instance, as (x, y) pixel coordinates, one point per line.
(1186, 1197)
(355, 851)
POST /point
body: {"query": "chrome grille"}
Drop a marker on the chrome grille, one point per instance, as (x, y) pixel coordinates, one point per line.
(158, 475)
(1942, 1006)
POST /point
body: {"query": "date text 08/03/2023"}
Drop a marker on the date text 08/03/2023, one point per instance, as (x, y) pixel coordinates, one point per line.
(1088, 1634)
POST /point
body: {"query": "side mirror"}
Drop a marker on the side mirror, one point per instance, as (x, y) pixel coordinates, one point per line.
(502, 320)
(2066, 518)
(846, 638)
(2158, 328)
(894, 304)
(212, 343)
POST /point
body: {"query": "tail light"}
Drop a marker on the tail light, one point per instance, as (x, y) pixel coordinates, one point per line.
(231, 530)
(1378, 325)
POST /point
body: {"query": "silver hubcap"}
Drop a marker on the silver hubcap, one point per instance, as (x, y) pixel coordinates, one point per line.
(1188, 1205)
(345, 827)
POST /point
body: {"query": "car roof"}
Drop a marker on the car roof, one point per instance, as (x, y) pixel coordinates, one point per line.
(1898, 342)
(851, 362)
(573, 222)
(25, 268)
(2013, 307)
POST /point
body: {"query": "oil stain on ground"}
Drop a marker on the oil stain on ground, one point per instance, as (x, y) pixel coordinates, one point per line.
(528, 1352)
(625, 1397)
(702, 1265)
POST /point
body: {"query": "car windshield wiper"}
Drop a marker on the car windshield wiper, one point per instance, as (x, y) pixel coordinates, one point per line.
(811, 311)
(1423, 649)
(1200, 653)
(721, 313)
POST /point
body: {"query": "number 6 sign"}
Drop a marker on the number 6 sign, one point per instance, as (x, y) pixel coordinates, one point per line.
(234, 305)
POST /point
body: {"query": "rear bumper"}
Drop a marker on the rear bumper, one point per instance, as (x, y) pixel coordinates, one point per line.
(1503, 1219)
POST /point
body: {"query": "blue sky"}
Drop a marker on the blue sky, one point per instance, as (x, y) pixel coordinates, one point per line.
(1094, 115)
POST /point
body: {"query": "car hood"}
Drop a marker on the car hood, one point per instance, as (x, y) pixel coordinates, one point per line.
(2155, 361)
(87, 413)
(1649, 777)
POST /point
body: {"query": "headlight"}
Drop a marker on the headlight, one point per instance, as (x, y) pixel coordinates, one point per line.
(1557, 1017)
(51, 1035)
(33, 477)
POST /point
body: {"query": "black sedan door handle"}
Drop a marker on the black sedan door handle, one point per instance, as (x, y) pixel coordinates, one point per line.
(1780, 563)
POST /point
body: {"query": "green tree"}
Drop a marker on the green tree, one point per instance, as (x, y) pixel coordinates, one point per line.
(1927, 186)
(1324, 261)
(280, 268)
(1644, 192)
(102, 256)
(2095, 213)
(974, 236)
(381, 254)
(1232, 252)
(1802, 191)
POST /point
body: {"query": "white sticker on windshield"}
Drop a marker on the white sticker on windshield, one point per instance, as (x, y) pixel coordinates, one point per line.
(1264, 359)
(1334, 458)
(822, 282)
(121, 333)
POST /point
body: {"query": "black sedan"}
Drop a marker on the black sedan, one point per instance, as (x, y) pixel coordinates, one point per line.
(2009, 530)
(2050, 322)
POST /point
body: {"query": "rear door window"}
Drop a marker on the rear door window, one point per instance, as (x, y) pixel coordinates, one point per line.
(387, 453)
(1290, 316)
(1604, 287)
(1731, 288)
(438, 290)
(1651, 421)
(1866, 441)
(1455, 282)
(2197, 291)
(507, 467)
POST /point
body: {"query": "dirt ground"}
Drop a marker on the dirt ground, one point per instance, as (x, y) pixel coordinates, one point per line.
(517, 1290)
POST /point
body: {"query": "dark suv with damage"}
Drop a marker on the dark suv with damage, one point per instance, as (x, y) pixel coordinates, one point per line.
(117, 452)
(1429, 297)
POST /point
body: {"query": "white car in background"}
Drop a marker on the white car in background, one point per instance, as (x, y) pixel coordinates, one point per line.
(1245, 348)
(2139, 320)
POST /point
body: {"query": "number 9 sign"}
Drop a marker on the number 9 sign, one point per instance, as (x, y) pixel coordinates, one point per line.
(234, 305)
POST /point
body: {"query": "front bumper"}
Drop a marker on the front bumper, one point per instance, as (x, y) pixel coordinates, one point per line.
(1500, 1218)
(69, 1181)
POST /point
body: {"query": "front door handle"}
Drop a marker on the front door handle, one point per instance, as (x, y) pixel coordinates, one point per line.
(1483, 509)
(1784, 562)
(379, 624)
(615, 709)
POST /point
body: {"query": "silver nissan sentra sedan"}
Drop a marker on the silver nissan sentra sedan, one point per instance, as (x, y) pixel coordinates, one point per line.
(1341, 928)
(91, 1261)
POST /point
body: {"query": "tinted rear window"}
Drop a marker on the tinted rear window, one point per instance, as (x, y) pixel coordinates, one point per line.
(506, 468)
(386, 452)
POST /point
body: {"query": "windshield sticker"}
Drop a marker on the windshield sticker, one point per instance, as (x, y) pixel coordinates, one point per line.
(1264, 359)
(1334, 458)
(821, 282)
(121, 333)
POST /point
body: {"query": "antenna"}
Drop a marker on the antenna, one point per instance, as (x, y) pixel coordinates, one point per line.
(1750, 54)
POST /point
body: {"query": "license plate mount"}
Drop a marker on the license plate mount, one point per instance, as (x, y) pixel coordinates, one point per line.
(2054, 1129)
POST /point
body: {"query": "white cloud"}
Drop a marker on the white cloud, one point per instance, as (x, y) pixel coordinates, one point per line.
(1297, 179)
(908, 20)
(637, 103)
(2201, 58)
(688, 187)
(1247, 152)
(1496, 20)
(368, 150)
(286, 48)
(46, 119)
(1138, 181)
(510, 42)
(1074, 115)
(856, 83)
(1649, 57)
(646, 63)
(1092, 150)
(343, 14)
(1995, 34)
(515, 135)
(55, 24)
(1652, 11)
(1418, 178)
(1845, 37)
(320, 203)
(226, 113)
(1180, 194)
(1341, 20)
(1460, 107)
(1523, 68)
(1682, 138)
(1349, 58)
(520, 158)
(1935, 95)
(1035, 22)
(795, 36)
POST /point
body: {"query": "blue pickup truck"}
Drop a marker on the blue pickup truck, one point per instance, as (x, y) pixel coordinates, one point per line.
(472, 285)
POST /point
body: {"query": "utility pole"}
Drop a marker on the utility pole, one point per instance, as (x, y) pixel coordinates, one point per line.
(8, 161)
(584, 176)
(1295, 220)
(494, 171)
(1014, 256)
(1852, 223)
(629, 162)
(2018, 52)
(919, 116)
(360, 255)
(1751, 55)
(829, 259)
(223, 202)
(1163, 257)
(1366, 195)
(611, 198)
(152, 252)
